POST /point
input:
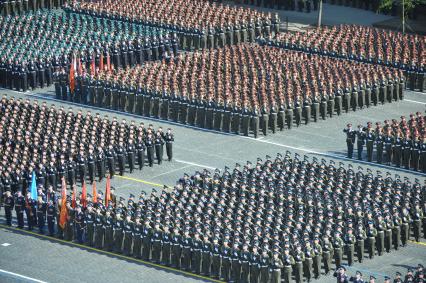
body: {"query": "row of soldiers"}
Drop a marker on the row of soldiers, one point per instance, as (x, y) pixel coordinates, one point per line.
(273, 220)
(413, 275)
(35, 45)
(292, 5)
(55, 144)
(199, 24)
(365, 44)
(244, 89)
(17, 7)
(400, 143)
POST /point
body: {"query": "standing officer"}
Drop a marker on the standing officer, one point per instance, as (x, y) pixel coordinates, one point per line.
(108, 230)
(41, 214)
(317, 258)
(327, 251)
(159, 143)
(120, 151)
(51, 215)
(288, 262)
(118, 231)
(90, 225)
(299, 257)
(140, 151)
(79, 225)
(388, 141)
(360, 239)
(149, 142)
(371, 239)
(360, 134)
(130, 151)
(276, 266)
(206, 256)
(99, 229)
(9, 203)
(169, 139)
(380, 227)
(127, 231)
(350, 239)
(91, 165)
(338, 245)
(369, 137)
(380, 141)
(19, 208)
(111, 156)
(350, 139)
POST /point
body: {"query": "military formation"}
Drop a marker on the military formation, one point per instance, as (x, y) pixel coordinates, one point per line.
(401, 143)
(406, 52)
(57, 143)
(414, 275)
(281, 218)
(36, 46)
(260, 89)
(292, 5)
(214, 25)
(19, 7)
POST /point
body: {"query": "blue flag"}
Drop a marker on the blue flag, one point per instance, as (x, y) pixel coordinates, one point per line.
(33, 188)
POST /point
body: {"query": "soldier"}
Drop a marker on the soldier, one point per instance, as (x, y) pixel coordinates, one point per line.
(89, 221)
(389, 226)
(360, 134)
(380, 227)
(9, 204)
(299, 258)
(79, 225)
(338, 245)
(357, 278)
(146, 235)
(51, 215)
(120, 152)
(370, 138)
(317, 258)
(226, 260)
(350, 139)
(100, 162)
(109, 231)
(361, 235)
(41, 214)
(389, 141)
(118, 232)
(140, 151)
(99, 229)
(371, 239)
(159, 143)
(130, 151)
(328, 251)
(91, 165)
(176, 248)
(216, 266)
(417, 216)
(169, 139)
(206, 256)
(235, 263)
(19, 204)
(380, 141)
(128, 234)
(150, 143)
(349, 240)
(397, 150)
(276, 266)
(31, 211)
(166, 247)
(156, 243)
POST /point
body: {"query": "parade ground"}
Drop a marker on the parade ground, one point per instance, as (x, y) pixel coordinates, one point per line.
(29, 257)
